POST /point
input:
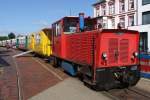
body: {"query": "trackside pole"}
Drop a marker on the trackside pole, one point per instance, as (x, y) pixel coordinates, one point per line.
(18, 55)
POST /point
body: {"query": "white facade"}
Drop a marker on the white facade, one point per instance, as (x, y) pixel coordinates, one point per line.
(141, 27)
(130, 17)
(116, 11)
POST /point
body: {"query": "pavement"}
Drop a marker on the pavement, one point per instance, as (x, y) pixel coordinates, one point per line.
(73, 89)
(70, 89)
(25, 76)
(8, 79)
(144, 84)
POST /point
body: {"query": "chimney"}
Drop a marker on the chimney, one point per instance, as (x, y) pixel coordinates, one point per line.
(81, 21)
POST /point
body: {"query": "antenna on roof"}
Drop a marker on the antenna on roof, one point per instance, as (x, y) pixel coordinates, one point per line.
(70, 12)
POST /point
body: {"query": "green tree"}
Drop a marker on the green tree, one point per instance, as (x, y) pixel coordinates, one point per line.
(11, 35)
(3, 38)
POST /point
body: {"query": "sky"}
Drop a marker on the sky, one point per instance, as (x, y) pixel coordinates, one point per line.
(27, 16)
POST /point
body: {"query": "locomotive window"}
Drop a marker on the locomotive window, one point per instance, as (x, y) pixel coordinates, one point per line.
(56, 29)
(70, 25)
(89, 24)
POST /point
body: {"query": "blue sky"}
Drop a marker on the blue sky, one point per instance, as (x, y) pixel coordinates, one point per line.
(25, 16)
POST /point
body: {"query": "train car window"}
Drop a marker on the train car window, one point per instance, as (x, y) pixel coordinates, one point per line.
(29, 40)
(38, 39)
(22, 41)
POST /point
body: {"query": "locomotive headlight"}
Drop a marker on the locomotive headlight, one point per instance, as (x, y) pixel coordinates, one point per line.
(104, 55)
(135, 54)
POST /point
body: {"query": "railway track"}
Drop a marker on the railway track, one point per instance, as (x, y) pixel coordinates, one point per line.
(18, 76)
(20, 96)
(9, 77)
(140, 92)
(127, 94)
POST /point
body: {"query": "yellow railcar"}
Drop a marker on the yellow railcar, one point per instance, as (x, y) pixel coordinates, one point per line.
(31, 42)
(43, 42)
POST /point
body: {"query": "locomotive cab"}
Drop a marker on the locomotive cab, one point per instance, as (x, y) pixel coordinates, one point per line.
(67, 26)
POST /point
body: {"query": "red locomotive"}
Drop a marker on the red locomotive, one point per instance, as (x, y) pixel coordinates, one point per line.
(104, 58)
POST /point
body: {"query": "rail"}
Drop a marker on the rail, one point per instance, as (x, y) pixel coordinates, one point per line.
(127, 94)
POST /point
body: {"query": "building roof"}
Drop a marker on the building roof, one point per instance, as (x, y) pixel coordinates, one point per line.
(99, 2)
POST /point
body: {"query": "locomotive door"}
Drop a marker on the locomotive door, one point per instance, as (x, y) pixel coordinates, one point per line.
(118, 51)
(113, 51)
(123, 51)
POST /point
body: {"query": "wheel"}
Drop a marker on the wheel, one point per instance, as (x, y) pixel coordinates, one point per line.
(135, 80)
(88, 85)
(80, 76)
(96, 88)
(57, 62)
(123, 85)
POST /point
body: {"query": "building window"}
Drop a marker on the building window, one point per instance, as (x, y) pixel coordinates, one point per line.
(131, 4)
(105, 23)
(122, 22)
(113, 22)
(111, 7)
(121, 6)
(131, 20)
(97, 11)
(145, 18)
(143, 41)
(103, 9)
(144, 2)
